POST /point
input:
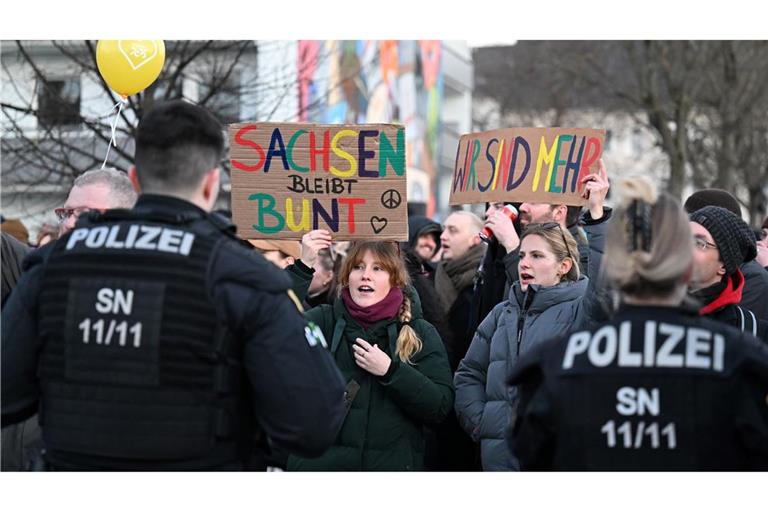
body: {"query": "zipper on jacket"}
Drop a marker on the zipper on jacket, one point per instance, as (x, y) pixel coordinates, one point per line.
(521, 319)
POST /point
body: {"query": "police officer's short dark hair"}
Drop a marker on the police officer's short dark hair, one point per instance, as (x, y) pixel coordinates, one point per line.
(176, 144)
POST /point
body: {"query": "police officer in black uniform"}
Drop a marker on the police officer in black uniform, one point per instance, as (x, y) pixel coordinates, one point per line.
(656, 388)
(151, 339)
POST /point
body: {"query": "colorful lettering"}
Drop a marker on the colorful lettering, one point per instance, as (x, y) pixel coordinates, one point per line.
(289, 220)
(573, 166)
(552, 176)
(590, 158)
(276, 140)
(363, 154)
(504, 161)
(289, 150)
(324, 151)
(343, 154)
(351, 202)
(331, 220)
(494, 166)
(389, 154)
(472, 178)
(519, 142)
(251, 144)
(458, 179)
(266, 206)
(545, 156)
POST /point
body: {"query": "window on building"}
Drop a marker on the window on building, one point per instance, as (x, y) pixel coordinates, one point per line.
(225, 102)
(176, 91)
(58, 102)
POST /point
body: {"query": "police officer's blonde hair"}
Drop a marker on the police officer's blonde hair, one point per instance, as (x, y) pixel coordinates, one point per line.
(648, 249)
(557, 238)
(388, 255)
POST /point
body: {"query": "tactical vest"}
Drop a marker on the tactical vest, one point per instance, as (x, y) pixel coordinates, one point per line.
(135, 364)
(646, 393)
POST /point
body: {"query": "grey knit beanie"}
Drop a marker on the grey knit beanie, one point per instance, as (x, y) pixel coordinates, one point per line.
(734, 239)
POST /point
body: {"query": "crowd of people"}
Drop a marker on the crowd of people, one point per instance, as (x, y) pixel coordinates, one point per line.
(144, 334)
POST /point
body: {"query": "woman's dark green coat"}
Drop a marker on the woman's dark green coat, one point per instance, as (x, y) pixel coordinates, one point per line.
(383, 430)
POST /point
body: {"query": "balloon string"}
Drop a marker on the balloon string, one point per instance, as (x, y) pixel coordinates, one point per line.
(120, 104)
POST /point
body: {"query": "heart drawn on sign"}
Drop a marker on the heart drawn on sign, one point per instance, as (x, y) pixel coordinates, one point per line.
(378, 224)
(138, 53)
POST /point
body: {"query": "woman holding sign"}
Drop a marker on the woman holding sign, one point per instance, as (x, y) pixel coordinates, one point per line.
(656, 388)
(397, 372)
(550, 298)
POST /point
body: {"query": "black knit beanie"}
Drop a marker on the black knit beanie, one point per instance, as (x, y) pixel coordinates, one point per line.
(712, 197)
(734, 239)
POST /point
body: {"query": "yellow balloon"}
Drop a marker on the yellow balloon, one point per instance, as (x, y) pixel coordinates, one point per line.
(130, 65)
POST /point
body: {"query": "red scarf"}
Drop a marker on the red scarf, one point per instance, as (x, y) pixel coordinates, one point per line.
(730, 295)
(388, 307)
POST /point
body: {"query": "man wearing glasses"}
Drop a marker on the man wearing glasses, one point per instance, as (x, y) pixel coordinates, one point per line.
(100, 189)
(722, 242)
(755, 276)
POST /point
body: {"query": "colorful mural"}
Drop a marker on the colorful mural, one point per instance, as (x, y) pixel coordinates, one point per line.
(376, 82)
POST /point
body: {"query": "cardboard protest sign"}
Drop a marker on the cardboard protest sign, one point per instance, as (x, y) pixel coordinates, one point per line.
(542, 165)
(290, 178)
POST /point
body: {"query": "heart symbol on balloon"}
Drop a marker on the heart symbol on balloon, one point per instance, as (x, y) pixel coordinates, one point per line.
(138, 53)
(378, 224)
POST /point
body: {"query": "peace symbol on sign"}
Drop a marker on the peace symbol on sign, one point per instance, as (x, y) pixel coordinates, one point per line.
(391, 199)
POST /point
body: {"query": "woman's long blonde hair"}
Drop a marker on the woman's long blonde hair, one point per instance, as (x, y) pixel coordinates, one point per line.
(388, 255)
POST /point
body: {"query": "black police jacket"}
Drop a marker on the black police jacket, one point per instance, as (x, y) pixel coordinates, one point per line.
(153, 339)
(657, 388)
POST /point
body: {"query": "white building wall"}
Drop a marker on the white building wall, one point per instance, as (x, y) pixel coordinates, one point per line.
(277, 77)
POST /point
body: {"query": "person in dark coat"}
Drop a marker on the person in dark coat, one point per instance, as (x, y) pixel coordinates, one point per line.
(13, 253)
(496, 272)
(447, 448)
(20, 441)
(755, 288)
(423, 243)
(455, 276)
(657, 387)
(396, 368)
(150, 339)
(97, 189)
(722, 242)
(424, 240)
